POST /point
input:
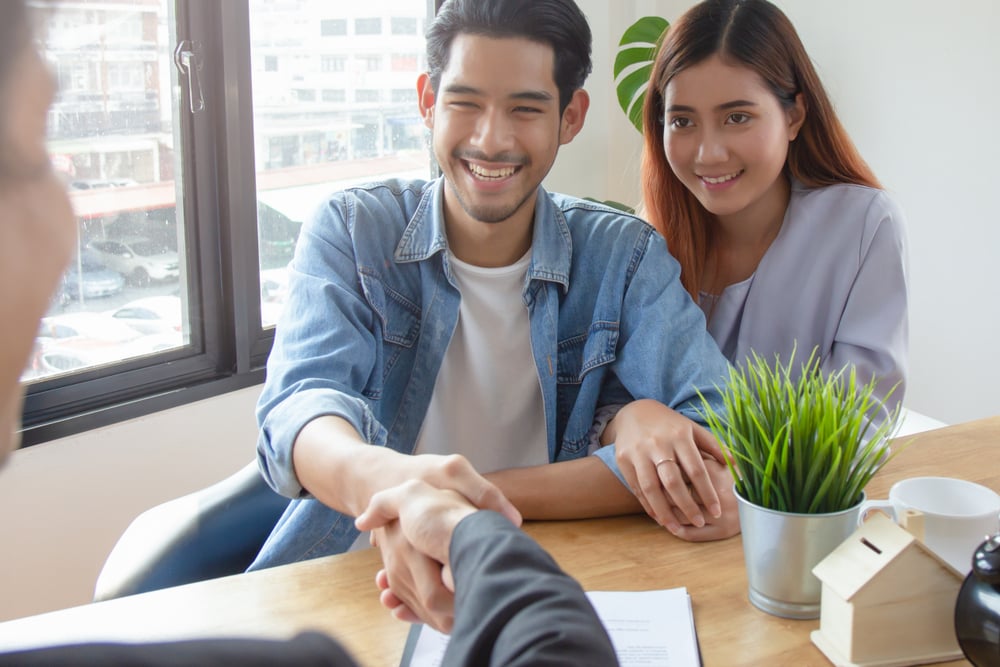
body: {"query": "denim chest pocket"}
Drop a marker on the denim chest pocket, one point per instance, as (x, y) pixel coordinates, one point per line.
(581, 354)
(398, 320)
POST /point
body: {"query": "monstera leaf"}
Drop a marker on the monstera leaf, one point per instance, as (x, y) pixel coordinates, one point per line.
(634, 62)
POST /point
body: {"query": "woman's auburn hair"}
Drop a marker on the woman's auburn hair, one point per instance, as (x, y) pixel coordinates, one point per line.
(757, 35)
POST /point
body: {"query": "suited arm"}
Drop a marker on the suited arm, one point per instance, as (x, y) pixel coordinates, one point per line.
(514, 606)
(309, 649)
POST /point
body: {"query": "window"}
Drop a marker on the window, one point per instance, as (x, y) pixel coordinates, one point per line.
(332, 63)
(404, 95)
(404, 62)
(369, 63)
(403, 25)
(367, 95)
(333, 27)
(168, 299)
(368, 26)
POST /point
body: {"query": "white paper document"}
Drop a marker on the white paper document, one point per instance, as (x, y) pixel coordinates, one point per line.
(647, 629)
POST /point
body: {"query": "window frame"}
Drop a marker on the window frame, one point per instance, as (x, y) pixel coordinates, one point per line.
(228, 347)
(228, 350)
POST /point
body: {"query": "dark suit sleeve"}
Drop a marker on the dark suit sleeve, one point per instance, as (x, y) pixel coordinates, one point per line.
(514, 606)
(309, 649)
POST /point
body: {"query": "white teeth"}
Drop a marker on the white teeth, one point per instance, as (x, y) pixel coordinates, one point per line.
(491, 173)
(721, 179)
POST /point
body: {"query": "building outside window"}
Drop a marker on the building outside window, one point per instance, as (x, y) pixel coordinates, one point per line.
(333, 27)
(142, 312)
(403, 25)
(368, 26)
(369, 63)
(404, 62)
(332, 63)
(334, 95)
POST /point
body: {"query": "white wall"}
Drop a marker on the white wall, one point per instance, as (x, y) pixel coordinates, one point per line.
(916, 84)
(63, 504)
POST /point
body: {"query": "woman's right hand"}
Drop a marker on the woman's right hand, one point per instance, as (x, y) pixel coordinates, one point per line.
(662, 455)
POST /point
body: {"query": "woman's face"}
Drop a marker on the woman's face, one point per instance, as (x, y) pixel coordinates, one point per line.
(37, 226)
(726, 136)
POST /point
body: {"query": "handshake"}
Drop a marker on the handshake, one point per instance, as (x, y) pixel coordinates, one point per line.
(412, 524)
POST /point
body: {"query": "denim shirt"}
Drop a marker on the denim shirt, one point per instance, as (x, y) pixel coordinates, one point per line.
(372, 307)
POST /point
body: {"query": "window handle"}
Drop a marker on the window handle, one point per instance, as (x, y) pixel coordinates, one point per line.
(187, 58)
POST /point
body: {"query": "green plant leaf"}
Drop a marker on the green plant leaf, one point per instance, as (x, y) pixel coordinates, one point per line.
(631, 93)
(634, 63)
(803, 441)
(646, 30)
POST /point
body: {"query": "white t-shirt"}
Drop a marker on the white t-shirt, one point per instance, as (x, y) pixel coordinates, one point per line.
(487, 401)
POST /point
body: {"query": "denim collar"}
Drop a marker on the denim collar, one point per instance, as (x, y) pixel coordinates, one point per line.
(551, 243)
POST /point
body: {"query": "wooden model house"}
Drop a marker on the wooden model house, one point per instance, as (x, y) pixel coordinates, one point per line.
(887, 599)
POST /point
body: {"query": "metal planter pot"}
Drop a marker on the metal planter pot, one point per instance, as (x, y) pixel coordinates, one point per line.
(781, 549)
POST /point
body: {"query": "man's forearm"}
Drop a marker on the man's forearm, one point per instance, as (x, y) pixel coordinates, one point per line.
(334, 464)
(577, 489)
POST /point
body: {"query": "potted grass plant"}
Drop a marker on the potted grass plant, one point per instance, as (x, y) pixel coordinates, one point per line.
(801, 445)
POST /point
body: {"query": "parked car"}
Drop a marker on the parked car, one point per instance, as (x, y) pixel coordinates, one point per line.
(151, 314)
(76, 340)
(89, 326)
(98, 183)
(138, 259)
(90, 279)
(88, 340)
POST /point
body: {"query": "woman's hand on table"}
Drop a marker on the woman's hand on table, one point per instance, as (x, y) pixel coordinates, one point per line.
(726, 525)
(664, 457)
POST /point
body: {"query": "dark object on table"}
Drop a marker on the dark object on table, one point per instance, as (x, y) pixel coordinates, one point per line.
(977, 611)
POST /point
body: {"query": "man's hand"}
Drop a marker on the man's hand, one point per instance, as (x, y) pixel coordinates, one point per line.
(719, 528)
(663, 456)
(455, 473)
(413, 524)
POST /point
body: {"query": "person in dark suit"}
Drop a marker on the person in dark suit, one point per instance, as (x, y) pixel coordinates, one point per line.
(514, 606)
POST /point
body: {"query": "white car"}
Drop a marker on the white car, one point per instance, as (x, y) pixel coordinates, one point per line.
(138, 259)
(152, 314)
(89, 326)
(75, 341)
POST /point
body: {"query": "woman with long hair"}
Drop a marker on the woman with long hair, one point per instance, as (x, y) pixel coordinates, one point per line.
(783, 234)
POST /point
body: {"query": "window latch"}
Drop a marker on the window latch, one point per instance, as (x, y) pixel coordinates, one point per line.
(188, 60)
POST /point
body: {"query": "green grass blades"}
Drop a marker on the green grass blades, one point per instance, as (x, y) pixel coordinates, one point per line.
(798, 439)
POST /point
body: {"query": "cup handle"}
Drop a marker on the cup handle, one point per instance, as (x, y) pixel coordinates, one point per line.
(870, 506)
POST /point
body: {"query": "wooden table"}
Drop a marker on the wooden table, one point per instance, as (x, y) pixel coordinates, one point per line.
(337, 594)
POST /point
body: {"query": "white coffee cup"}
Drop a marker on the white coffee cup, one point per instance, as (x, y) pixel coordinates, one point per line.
(957, 514)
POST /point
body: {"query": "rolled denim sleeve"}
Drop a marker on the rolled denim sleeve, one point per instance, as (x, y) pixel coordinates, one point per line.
(324, 350)
(665, 351)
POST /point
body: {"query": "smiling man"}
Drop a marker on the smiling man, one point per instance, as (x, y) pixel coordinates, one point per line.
(472, 325)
